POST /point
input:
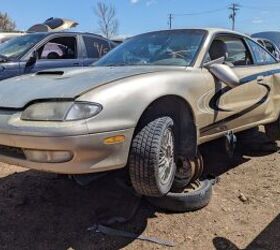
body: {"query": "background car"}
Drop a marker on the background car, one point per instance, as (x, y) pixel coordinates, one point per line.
(53, 24)
(5, 36)
(269, 45)
(50, 25)
(44, 50)
(273, 36)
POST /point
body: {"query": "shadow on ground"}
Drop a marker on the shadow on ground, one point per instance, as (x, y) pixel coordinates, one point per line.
(45, 211)
(269, 238)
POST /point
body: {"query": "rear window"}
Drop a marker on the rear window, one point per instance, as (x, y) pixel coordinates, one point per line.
(260, 54)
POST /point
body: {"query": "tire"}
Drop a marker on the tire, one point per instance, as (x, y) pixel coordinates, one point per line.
(151, 161)
(187, 172)
(196, 196)
(272, 130)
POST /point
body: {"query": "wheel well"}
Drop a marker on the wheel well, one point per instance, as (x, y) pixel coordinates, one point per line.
(180, 111)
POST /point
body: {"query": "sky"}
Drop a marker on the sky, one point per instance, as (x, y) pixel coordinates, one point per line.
(138, 16)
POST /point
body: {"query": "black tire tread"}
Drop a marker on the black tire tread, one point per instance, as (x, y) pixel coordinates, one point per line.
(185, 202)
(143, 157)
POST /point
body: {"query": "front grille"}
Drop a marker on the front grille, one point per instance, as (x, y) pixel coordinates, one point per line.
(12, 152)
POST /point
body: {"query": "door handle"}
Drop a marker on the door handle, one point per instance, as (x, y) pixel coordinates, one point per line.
(76, 64)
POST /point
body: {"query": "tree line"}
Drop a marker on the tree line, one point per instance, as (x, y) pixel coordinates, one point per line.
(107, 22)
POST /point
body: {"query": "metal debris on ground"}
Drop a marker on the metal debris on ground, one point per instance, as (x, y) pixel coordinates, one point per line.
(115, 232)
(242, 197)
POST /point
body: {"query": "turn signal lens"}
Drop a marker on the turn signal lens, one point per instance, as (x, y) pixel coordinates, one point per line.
(114, 139)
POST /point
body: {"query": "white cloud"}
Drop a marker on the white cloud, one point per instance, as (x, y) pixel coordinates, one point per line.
(150, 2)
(257, 20)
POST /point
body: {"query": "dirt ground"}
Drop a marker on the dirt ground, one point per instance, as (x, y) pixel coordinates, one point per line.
(46, 211)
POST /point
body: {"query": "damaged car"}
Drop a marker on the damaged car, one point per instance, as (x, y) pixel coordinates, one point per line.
(145, 106)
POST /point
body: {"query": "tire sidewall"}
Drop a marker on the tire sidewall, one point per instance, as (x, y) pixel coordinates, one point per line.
(166, 188)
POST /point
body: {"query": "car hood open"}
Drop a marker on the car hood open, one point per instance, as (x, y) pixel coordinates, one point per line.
(63, 83)
(53, 24)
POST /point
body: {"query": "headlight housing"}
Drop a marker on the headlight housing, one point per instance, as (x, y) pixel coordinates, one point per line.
(60, 111)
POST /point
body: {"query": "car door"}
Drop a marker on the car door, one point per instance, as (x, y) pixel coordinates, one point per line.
(95, 48)
(9, 69)
(246, 104)
(57, 52)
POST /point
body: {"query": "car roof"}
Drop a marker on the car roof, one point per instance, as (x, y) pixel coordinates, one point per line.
(66, 33)
(209, 30)
(269, 31)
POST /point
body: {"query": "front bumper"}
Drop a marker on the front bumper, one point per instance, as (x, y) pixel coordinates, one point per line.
(90, 154)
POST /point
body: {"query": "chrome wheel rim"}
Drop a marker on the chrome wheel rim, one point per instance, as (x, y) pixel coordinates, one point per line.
(166, 157)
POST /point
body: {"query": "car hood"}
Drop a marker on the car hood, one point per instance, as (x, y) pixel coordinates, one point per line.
(67, 83)
(53, 24)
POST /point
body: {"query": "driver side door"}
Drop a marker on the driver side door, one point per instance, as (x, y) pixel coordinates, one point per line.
(58, 52)
(247, 103)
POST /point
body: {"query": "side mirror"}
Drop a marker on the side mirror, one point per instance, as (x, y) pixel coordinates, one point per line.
(32, 60)
(225, 74)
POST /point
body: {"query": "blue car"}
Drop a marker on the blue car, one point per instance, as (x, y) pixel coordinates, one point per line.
(37, 51)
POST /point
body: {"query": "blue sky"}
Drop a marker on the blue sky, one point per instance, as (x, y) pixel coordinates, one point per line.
(137, 16)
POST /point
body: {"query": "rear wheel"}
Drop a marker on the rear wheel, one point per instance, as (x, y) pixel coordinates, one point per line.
(152, 158)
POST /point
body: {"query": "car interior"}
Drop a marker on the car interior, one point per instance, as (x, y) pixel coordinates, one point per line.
(59, 48)
(233, 50)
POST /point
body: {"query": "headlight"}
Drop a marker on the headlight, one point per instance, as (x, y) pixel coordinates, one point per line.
(60, 111)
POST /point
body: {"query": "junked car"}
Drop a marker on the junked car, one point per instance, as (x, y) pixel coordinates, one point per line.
(269, 45)
(273, 36)
(36, 51)
(53, 24)
(5, 36)
(146, 106)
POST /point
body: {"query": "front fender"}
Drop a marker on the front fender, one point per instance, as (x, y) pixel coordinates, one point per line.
(125, 101)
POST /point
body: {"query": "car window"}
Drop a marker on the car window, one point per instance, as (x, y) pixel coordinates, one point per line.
(238, 54)
(261, 42)
(18, 46)
(260, 54)
(59, 48)
(269, 46)
(96, 47)
(232, 49)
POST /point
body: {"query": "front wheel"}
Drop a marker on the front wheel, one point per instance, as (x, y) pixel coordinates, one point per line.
(151, 161)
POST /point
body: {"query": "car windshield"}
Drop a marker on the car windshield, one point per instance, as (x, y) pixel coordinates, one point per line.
(173, 47)
(18, 46)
